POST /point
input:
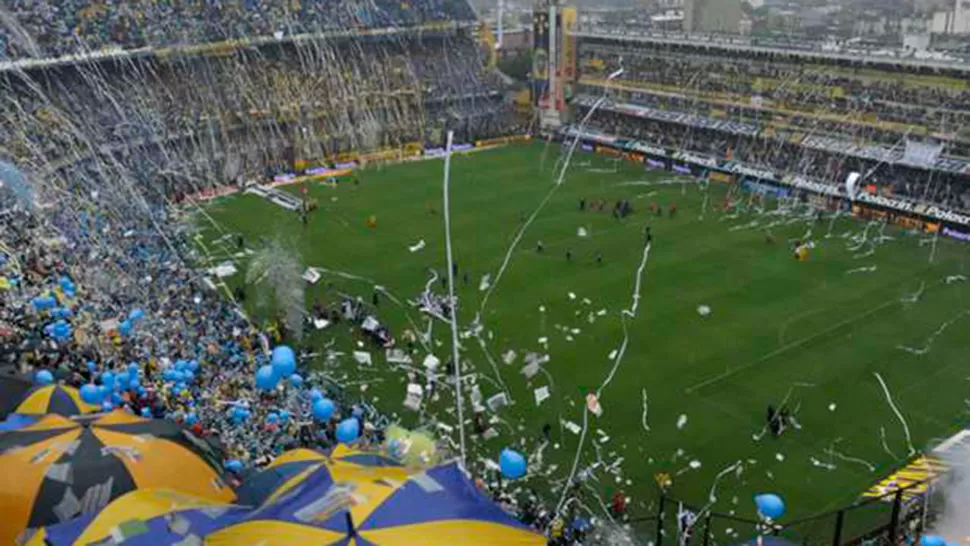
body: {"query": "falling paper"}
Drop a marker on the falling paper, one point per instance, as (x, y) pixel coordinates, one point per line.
(832, 407)
(593, 404)
(497, 401)
(397, 356)
(223, 270)
(530, 370)
(581, 232)
(572, 427)
(572, 296)
(417, 246)
(321, 324)
(695, 464)
(362, 357)
(703, 310)
(485, 283)
(541, 394)
(431, 362)
(311, 275)
(509, 356)
(681, 421)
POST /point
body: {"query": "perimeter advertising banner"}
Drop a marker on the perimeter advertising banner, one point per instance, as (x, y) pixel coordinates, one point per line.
(540, 58)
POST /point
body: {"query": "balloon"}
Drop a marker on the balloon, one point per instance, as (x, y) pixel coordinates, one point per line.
(107, 406)
(348, 430)
(125, 327)
(315, 395)
(44, 377)
(770, 505)
(193, 365)
(61, 329)
(284, 361)
(115, 398)
(136, 315)
(168, 375)
(145, 412)
(122, 379)
(92, 366)
(91, 394)
(265, 378)
(323, 409)
(134, 384)
(512, 464)
(107, 379)
(272, 418)
(284, 416)
(296, 380)
(234, 465)
(191, 418)
(932, 540)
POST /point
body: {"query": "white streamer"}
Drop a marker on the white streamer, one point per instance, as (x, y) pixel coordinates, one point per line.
(889, 399)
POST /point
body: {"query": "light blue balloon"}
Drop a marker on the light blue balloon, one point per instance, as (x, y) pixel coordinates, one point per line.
(348, 430)
(323, 409)
(92, 366)
(770, 505)
(136, 315)
(191, 418)
(146, 412)
(273, 418)
(933, 540)
(234, 465)
(284, 416)
(108, 379)
(122, 379)
(283, 361)
(90, 394)
(512, 464)
(265, 378)
(193, 365)
(107, 406)
(43, 378)
(315, 395)
(296, 380)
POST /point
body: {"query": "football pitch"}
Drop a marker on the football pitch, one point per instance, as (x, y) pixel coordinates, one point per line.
(690, 395)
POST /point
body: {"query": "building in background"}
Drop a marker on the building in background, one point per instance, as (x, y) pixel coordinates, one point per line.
(712, 16)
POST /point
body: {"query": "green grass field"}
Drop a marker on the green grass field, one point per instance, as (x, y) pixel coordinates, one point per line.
(779, 328)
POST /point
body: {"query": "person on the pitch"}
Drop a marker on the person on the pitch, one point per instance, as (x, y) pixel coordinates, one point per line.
(569, 255)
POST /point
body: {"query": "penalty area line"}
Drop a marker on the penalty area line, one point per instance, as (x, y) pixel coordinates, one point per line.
(781, 350)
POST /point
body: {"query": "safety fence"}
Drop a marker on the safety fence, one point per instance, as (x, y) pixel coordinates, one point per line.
(897, 517)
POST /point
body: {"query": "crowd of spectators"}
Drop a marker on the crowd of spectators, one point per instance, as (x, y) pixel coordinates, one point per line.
(783, 155)
(311, 100)
(805, 94)
(54, 28)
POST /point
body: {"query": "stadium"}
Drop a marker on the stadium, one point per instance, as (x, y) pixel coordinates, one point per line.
(284, 273)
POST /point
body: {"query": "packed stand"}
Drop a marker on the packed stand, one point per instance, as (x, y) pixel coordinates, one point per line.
(811, 96)
(326, 96)
(783, 155)
(54, 28)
